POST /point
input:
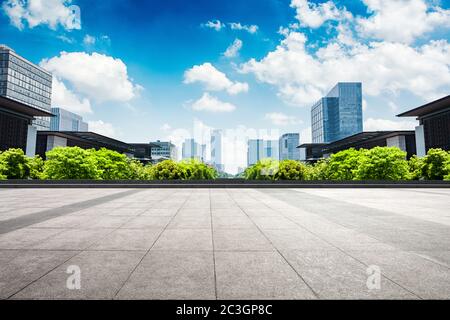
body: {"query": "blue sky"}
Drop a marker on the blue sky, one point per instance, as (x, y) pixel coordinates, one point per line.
(145, 70)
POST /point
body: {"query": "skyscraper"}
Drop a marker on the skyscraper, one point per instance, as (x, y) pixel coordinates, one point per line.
(25, 82)
(67, 121)
(216, 150)
(193, 150)
(164, 150)
(339, 114)
(288, 146)
(259, 149)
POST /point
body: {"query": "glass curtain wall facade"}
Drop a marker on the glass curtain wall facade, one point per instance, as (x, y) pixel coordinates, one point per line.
(67, 121)
(288, 146)
(339, 114)
(25, 82)
(164, 149)
(216, 150)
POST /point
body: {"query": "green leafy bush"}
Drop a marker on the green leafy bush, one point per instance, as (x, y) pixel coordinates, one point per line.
(344, 164)
(382, 163)
(415, 168)
(137, 171)
(113, 165)
(318, 171)
(167, 170)
(14, 164)
(196, 170)
(447, 169)
(265, 169)
(291, 170)
(434, 164)
(36, 165)
(71, 163)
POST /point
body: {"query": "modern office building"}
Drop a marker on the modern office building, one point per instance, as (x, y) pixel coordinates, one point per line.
(27, 83)
(339, 114)
(142, 152)
(288, 146)
(258, 149)
(193, 150)
(16, 129)
(47, 140)
(67, 121)
(163, 150)
(216, 150)
(404, 140)
(434, 125)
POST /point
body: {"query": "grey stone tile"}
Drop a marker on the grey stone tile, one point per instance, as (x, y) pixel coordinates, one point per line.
(232, 222)
(172, 275)
(295, 239)
(274, 223)
(185, 239)
(241, 240)
(128, 239)
(27, 267)
(102, 275)
(170, 212)
(25, 238)
(191, 222)
(73, 239)
(142, 222)
(257, 275)
(334, 275)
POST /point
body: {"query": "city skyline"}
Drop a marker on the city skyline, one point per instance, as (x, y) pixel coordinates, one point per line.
(256, 67)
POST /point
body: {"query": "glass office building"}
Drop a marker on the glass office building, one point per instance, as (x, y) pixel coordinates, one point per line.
(27, 83)
(339, 114)
(193, 150)
(216, 150)
(288, 146)
(67, 121)
(163, 150)
(259, 149)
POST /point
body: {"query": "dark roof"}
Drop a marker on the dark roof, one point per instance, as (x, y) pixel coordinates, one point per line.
(312, 145)
(92, 137)
(428, 108)
(23, 108)
(364, 137)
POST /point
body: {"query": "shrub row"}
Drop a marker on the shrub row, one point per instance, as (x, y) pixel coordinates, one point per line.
(76, 163)
(379, 163)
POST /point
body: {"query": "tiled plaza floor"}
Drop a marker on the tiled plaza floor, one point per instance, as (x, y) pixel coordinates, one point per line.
(225, 243)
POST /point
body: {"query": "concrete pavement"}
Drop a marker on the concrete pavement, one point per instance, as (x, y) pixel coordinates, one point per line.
(225, 243)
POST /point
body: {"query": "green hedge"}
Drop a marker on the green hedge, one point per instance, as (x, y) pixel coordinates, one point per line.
(380, 163)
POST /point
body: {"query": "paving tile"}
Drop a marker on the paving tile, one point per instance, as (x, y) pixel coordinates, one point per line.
(142, 222)
(172, 275)
(241, 240)
(257, 275)
(128, 239)
(25, 238)
(185, 239)
(73, 239)
(102, 274)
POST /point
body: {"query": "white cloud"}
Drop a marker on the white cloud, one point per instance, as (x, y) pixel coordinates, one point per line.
(384, 68)
(281, 119)
(401, 20)
(166, 127)
(32, 13)
(372, 124)
(249, 28)
(65, 39)
(315, 15)
(62, 97)
(213, 79)
(214, 24)
(89, 40)
(210, 103)
(103, 128)
(97, 76)
(233, 49)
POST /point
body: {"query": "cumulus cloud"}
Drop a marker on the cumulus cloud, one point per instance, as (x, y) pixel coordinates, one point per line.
(233, 49)
(315, 15)
(33, 13)
(214, 24)
(249, 28)
(401, 20)
(372, 124)
(64, 98)
(302, 77)
(103, 128)
(210, 103)
(281, 119)
(166, 127)
(97, 76)
(213, 79)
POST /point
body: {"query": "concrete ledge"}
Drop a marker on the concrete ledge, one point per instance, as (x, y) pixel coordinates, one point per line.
(220, 183)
